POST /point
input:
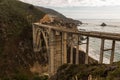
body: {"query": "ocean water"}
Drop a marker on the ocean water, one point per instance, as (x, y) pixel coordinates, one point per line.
(113, 26)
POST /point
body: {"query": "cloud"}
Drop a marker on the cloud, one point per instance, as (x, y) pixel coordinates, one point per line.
(77, 3)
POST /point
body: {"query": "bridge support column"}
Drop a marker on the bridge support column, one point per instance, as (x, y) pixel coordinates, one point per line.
(64, 47)
(38, 39)
(112, 52)
(34, 38)
(51, 52)
(87, 50)
(77, 50)
(102, 51)
(71, 51)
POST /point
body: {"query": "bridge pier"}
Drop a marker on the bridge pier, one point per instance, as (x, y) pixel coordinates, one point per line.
(58, 50)
(112, 52)
(51, 52)
(33, 28)
(64, 47)
(87, 51)
(71, 50)
(77, 50)
(102, 50)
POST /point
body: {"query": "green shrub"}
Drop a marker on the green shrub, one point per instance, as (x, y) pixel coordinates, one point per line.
(20, 77)
(6, 78)
(16, 19)
(113, 75)
(62, 67)
(40, 78)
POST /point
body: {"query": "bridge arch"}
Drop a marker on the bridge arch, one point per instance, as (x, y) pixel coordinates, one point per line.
(41, 38)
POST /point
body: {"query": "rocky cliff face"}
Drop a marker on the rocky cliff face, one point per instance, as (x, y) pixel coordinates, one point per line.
(60, 18)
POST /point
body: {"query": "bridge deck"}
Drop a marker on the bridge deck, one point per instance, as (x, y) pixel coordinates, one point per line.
(96, 34)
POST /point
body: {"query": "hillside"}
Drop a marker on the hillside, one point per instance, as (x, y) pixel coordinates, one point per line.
(16, 53)
(51, 11)
(59, 16)
(17, 59)
(88, 72)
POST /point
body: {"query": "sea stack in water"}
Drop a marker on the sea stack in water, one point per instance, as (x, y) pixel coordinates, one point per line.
(103, 24)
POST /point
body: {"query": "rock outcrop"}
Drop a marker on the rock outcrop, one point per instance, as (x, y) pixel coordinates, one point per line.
(61, 19)
(103, 24)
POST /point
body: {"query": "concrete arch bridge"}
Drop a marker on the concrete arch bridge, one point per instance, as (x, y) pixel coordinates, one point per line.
(57, 40)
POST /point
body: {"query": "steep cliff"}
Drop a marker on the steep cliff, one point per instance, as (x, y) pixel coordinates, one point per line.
(51, 12)
(16, 52)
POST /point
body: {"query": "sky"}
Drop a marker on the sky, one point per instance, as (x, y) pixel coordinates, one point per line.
(63, 3)
(82, 9)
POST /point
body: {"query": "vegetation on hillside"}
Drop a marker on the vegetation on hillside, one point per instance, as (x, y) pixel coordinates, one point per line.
(60, 19)
(16, 52)
(91, 71)
(15, 17)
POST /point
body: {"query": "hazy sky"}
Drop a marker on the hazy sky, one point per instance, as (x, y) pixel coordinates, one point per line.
(83, 9)
(91, 12)
(62, 3)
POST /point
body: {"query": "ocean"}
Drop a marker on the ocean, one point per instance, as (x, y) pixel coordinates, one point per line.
(113, 26)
